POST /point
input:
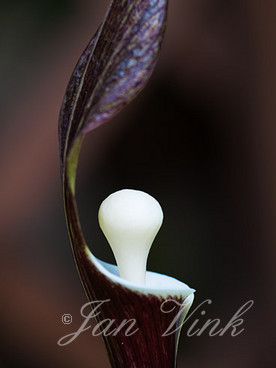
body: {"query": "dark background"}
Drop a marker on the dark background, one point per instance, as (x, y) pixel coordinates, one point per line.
(200, 138)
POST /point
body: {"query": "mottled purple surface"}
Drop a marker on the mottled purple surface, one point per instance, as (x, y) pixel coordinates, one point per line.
(115, 66)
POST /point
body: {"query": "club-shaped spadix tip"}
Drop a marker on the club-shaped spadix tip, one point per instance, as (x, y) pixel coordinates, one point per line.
(130, 220)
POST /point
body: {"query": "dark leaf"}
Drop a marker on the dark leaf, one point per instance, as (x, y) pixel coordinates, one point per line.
(115, 66)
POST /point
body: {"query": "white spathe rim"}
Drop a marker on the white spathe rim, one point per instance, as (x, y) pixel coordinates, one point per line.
(156, 283)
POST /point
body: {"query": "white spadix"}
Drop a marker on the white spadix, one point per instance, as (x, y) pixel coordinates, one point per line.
(130, 220)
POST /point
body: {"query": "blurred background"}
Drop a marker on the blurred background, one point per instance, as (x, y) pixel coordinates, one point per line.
(200, 138)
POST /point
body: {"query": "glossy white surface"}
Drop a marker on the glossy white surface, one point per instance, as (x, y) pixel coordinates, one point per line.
(130, 220)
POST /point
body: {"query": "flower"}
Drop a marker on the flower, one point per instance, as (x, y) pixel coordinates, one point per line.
(112, 70)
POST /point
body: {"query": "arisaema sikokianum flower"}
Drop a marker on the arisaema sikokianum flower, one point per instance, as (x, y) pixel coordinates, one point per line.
(112, 70)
